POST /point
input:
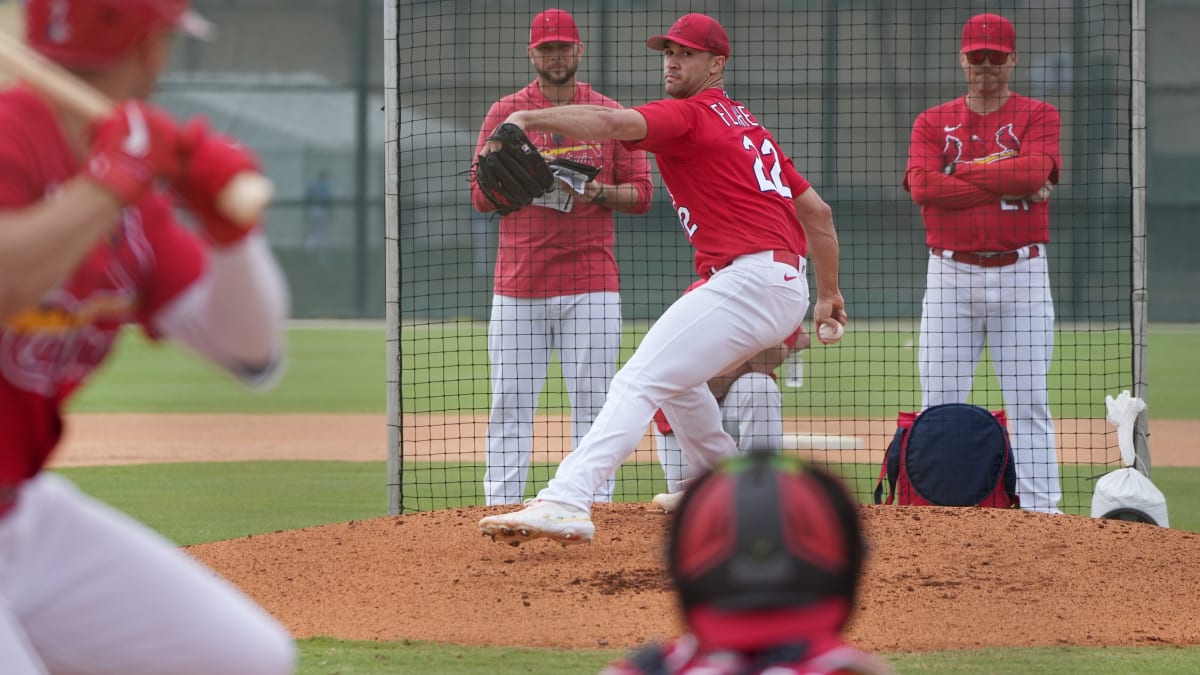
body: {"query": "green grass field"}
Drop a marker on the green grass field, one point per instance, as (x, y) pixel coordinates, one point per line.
(342, 370)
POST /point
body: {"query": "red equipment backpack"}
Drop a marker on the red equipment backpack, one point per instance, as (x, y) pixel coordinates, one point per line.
(954, 454)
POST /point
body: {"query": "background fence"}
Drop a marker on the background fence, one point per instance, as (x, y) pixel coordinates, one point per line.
(839, 85)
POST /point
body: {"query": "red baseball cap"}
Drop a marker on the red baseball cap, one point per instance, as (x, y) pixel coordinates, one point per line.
(96, 32)
(553, 25)
(698, 31)
(989, 31)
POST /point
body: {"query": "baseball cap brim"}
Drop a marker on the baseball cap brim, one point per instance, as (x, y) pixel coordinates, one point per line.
(658, 42)
(985, 44)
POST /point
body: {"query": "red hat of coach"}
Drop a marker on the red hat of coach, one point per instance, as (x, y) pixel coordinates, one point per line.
(698, 31)
(86, 33)
(989, 31)
(553, 25)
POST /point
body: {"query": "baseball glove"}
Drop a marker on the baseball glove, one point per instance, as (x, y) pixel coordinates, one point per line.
(514, 175)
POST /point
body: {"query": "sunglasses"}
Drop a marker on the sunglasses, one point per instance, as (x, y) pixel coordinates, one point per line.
(977, 57)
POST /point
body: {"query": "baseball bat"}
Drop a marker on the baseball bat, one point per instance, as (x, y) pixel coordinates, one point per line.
(243, 200)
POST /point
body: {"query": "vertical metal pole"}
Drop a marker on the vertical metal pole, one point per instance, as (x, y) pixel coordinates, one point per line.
(392, 271)
(361, 154)
(829, 102)
(1137, 168)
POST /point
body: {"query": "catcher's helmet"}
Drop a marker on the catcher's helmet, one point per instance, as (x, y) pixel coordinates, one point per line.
(92, 33)
(764, 531)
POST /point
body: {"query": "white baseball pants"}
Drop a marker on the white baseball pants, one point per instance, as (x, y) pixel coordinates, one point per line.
(752, 304)
(751, 413)
(1010, 310)
(523, 335)
(85, 589)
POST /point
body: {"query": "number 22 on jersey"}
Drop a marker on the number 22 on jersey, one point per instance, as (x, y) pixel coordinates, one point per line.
(767, 182)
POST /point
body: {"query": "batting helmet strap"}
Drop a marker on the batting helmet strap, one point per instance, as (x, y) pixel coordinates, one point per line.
(88, 33)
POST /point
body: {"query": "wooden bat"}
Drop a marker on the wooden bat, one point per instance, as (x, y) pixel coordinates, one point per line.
(242, 201)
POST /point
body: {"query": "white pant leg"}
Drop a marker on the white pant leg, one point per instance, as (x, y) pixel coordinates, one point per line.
(752, 413)
(519, 351)
(96, 592)
(695, 419)
(952, 331)
(670, 457)
(750, 305)
(1021, 343)
(589, 344)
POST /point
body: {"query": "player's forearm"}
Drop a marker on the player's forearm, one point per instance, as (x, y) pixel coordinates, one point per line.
(591, 122)
(626, 197)
(933, 188)
(1022, 175)
(40, 245)
(823, 247)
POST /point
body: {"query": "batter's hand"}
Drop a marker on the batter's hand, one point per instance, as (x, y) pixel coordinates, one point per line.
(211, 161)
(131, 148)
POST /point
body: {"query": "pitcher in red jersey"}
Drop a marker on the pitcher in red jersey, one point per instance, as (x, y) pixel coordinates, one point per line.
(982, 168)
(556, 281)
(88, 244)
(752, 219)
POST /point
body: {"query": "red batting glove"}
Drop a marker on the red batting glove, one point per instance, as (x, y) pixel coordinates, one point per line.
(132, 147)
(211, 162)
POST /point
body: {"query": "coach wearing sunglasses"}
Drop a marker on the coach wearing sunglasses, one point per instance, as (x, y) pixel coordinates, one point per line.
(982, 168)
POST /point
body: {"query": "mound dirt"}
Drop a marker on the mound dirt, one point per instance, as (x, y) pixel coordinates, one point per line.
(936, 578)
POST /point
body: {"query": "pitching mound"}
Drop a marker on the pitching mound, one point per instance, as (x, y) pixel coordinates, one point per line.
(935, 579)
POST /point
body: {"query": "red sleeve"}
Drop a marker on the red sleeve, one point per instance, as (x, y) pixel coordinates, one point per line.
(495, 116)
(1021, 175)
(178, 260)
(798, 183)
(632, 167)
(669, 123)
(934, 188)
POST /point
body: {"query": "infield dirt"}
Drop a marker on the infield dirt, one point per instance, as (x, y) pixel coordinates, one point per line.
(936, 578)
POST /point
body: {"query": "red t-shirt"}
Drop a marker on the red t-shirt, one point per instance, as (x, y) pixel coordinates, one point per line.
(730, 183)
(544, 252)
(952, 132)
(48, 350)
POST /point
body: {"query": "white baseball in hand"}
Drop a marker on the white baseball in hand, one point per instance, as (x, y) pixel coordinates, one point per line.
(830, 332)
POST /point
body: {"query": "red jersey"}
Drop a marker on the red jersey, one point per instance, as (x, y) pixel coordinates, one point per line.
(544, 252)
(953, 133)
(730, 183)
(48, 350)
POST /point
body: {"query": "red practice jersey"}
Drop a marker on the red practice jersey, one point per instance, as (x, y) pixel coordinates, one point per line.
(48, 350)
(544, 252)
(730, 183)
(953, 133)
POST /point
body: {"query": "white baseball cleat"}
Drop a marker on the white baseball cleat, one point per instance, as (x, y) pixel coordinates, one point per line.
(540, 519)
(668, 501)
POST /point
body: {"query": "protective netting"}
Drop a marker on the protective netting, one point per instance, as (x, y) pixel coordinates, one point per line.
(839, 85)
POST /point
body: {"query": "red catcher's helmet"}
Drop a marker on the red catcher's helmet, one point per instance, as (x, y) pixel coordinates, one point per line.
(764, 535)
(89, 33)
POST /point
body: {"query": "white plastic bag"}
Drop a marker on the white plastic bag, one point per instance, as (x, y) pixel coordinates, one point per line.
(1127, 492)
(1128, 488)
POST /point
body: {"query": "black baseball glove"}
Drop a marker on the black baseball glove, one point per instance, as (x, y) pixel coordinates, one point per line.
(514, 175)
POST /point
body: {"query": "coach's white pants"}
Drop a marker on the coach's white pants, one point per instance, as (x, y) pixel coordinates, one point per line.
(523, 335)
(744, 308)
(1010, 310)
(751, 413)
(85, 589)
